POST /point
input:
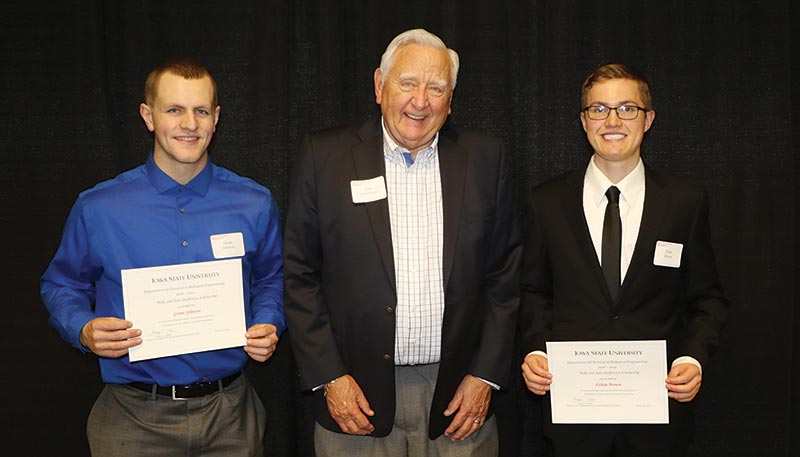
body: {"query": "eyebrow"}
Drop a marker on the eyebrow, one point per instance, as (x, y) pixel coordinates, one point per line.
(414, 77)
(626, 102)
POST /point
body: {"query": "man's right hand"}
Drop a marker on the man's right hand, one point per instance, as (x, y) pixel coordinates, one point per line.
(348, 406)
(110, 336)
(536, 374)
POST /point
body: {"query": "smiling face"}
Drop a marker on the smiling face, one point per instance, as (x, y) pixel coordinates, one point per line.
(415, 96)
(183, 118)
(616, 142)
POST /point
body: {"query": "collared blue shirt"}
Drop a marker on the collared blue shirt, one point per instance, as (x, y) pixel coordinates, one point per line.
(143, 218)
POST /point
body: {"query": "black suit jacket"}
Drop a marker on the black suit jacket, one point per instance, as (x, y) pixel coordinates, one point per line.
(565, 298)
(340, 278)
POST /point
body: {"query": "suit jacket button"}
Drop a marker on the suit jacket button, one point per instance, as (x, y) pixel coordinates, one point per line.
(388, 310)
(613, 316)
(387, 357)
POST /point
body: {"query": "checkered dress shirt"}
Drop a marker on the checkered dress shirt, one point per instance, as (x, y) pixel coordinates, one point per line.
(415, 212)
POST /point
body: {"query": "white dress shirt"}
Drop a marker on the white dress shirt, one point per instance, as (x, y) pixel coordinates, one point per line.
(631, 202)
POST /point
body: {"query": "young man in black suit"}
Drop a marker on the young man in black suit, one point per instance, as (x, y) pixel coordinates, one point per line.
(579, 285)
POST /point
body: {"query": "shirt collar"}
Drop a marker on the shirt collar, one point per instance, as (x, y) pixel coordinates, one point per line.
(394, 152)
(630, 187)
(163, 182)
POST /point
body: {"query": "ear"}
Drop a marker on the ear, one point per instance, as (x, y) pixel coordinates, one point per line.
(583, 120)
(378, 85)
(216, 116)
(147, 116)
(649, 118)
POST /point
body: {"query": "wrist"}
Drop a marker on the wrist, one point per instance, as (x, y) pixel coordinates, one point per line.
(327, 386)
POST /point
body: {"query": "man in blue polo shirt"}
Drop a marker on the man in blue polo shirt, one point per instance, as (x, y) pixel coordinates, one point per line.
(177, 208)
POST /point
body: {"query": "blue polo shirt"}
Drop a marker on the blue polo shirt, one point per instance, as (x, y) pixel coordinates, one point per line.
(143, 218)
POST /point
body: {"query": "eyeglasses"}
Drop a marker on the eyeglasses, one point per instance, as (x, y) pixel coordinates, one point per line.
(625, 112)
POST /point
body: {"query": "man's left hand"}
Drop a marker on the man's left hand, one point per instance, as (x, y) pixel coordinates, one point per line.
(470, 404)
(262, 340)
(683, 382)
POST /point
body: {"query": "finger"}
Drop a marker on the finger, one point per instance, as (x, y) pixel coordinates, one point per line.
(466, 429)
(110, 323)
(538, 389)
(535, 373)
(682, 397)
(363, 424)
(261, 330)
(363, 405)
(258, 354)
(263, 343)
(355, 425)
(454, 427)
(531, 377)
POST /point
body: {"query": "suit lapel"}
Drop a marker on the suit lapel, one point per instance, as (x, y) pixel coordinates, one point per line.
(576, 219)
(656, 199)
(369, 163)
(452, 169)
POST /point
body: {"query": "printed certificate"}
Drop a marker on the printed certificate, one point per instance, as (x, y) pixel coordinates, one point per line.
(185, 308)
(608, 382)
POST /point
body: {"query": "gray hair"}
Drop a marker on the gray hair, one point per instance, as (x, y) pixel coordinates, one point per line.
(422, 37)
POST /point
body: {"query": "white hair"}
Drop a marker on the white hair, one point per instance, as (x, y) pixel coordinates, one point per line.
(422, 37)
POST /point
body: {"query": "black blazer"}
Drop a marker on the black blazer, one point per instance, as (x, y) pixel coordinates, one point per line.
(564, 296)
(340, 279)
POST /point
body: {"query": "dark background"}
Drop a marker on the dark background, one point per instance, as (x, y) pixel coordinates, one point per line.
(722, 76)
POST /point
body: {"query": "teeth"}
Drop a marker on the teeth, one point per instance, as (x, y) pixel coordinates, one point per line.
(185, 138)
(416, 118)
(614, 136)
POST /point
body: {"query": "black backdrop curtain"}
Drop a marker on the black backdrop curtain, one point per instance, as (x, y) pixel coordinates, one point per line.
(72, 77)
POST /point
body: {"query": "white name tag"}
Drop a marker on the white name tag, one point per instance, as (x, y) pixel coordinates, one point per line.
(227, 245)
(368, 190)
(668, 254)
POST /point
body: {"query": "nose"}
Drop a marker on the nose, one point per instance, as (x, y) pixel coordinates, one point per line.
(420, 97)
(189, 121)
(613, 119)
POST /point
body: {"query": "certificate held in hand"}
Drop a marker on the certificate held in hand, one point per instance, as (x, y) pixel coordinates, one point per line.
(608, 382)
(185, 308)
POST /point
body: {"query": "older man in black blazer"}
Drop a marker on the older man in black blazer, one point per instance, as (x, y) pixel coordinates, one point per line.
(401, 266)
(656, 281)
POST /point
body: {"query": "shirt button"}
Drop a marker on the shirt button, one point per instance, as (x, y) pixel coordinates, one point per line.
(388, 310)
(180, 190)
(181, 210)
(387, 357)
(185, 243)
(413, 341)
(613, 316)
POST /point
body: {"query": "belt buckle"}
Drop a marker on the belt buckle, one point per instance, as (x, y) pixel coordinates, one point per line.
(177, 398)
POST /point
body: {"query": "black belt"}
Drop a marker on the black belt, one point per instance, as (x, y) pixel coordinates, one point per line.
(197, 389)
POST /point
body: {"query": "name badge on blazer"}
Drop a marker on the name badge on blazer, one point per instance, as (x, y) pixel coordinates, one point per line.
(668, 254)
(368, 190)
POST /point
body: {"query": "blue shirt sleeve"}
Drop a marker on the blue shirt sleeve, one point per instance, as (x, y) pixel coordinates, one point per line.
(68, 284)
(267, 276)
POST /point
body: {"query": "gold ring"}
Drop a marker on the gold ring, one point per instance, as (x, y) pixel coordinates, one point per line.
(476, 421)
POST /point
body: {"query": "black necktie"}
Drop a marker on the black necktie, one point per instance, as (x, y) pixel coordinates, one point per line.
(612, 242)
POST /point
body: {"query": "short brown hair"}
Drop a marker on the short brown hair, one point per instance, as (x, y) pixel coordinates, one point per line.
(617, 71)
(183, 67)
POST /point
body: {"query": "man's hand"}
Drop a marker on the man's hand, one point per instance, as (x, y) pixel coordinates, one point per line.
(536, 374)
(470, 404)
(348, 406)
(110, 336)
(683, 382)
(262, 340)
